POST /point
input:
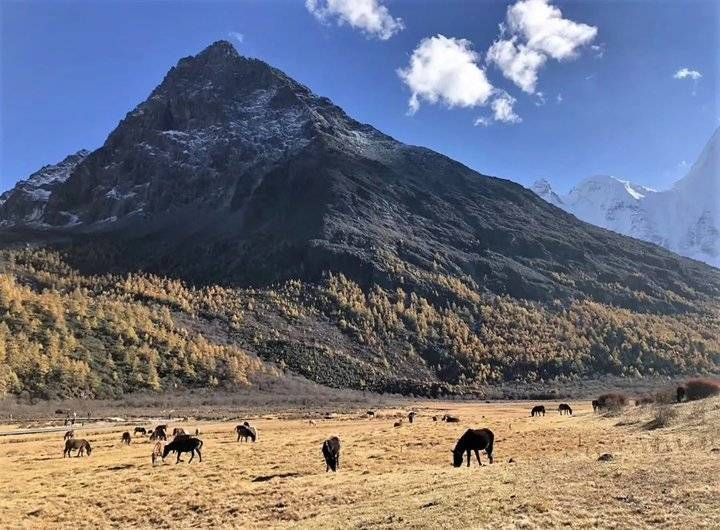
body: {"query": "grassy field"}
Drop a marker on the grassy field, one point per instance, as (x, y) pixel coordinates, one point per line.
(389, 477)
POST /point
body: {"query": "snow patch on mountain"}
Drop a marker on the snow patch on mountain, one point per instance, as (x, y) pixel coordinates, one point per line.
(684, 219)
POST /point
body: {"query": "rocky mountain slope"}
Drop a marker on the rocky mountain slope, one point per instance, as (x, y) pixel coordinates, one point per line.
(26, 202)
(326, 246)
(684, 219)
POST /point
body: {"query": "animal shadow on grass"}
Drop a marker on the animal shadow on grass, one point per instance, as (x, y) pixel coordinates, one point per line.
(265, 478)
(120, 467)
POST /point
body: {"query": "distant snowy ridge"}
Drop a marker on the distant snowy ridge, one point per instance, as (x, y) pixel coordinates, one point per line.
(684, 219)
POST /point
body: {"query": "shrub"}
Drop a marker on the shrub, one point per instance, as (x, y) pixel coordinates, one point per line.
(612, 400)
(645, 399)
(701, 388)
(663, 418)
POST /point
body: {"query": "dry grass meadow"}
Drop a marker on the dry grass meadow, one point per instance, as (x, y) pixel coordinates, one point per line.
(665, 473)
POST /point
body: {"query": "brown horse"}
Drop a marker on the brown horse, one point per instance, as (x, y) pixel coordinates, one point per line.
(79, 445)
(564, 408)
(245, 431)
(126, 439)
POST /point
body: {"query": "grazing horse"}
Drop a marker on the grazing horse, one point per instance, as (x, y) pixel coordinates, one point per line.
(178, 431)
(126, 438)
(370, 413)
(564, 408)
(680, 393)
(184, 444)
(68, 435)
(475, 440)
(79, 445)
(140, 430)
(450, 419)
(159, 433)
(596, 405)
(245, 431)
(411, 416)
(434, 418)
(537, 410)
(331, 453)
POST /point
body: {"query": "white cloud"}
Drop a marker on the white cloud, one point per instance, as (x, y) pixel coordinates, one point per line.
(540, 99)
(503, 111)
(686, 73)
(537, 31)
(545, 29)
(239, 37)
(445, 70)
(559, 98)
(599, 50)
(518, 63)
(369, 16)
(483, 121)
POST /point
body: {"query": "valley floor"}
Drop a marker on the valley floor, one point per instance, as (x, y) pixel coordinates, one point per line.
(390, 477)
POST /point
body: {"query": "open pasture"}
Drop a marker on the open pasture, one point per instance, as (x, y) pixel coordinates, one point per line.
(546, 473)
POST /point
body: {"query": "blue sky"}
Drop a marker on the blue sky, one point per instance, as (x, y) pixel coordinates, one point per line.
(611, 102)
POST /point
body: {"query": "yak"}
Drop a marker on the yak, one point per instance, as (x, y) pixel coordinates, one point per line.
(475, 440)
(331, 453)
(79, 445)
(184, 444)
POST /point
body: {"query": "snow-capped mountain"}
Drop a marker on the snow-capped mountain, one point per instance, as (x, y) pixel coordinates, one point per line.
(26, 202)
(684, 219)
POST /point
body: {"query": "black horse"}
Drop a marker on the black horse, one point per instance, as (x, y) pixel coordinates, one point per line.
(537, 410)
(245, 431)
(473, 440)
(596, 405)
(140, 430)
(126, 439)
(331, 452)
(184, 444)
(564, 408)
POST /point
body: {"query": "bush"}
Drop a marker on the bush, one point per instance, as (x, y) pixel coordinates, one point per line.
(645, 399)
(612, 400)
(663, 418)
(701, 388)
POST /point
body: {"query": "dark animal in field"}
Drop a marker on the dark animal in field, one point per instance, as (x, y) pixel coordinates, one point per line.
(595, 405)
(434, 418)
(68, 435)
(537, 410)
(197, 432)
(184, 444)
(246, 431)
(680, 393)
(370, 413)
(311, 422)
(126, 438)
(158, 434)
(564, 408)
(157, 452)
(178, 431)
(140, 430)
(79, 445)
(450, 419)
(411, 416)
(331, 452)
(397, 423)
(475, 440)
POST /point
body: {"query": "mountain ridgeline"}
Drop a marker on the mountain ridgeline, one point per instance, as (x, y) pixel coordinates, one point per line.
(264, 221)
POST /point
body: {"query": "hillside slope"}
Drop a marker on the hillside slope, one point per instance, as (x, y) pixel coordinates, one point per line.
(367, 262)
